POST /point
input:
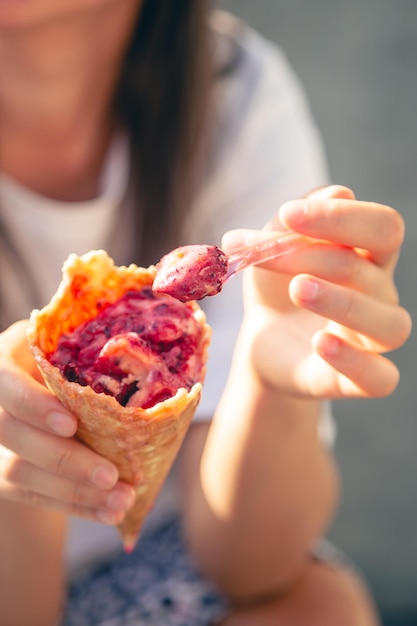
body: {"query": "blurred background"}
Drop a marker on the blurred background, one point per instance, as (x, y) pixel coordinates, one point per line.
(358, 63)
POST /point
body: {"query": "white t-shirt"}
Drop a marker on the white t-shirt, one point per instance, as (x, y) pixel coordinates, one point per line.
(264, 150)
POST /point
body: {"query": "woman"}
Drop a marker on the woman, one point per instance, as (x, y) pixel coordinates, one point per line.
(135, 126)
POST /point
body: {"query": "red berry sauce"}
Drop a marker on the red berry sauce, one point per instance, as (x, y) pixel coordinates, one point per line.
(140, 349)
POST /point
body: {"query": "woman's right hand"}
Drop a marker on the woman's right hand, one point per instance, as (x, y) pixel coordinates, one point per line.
(41, 462)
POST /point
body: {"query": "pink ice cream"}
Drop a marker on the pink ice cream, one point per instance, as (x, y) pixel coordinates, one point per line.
(140, 349)
(191, 272)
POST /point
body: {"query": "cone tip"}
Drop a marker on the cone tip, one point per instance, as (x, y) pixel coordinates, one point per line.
(128, 547)
(129, 543)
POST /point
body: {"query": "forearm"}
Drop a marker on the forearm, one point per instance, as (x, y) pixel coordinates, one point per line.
(31, 567)
(265, 490)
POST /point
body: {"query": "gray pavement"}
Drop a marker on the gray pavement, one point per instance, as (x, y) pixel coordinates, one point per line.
(358, 62)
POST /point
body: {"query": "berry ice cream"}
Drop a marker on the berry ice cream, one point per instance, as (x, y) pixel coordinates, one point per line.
(140, 349)
(191, 272)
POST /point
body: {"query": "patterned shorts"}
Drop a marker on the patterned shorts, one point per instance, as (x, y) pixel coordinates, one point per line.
(156, 585)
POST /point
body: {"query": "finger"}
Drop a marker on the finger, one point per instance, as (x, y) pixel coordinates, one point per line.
(21, 480)
(67, 458)
(32, 403)
(15, 345)
(361, 373)
(23, 496)
(377, 228)
(387, 326)
(338, 265)
(239, 238)
(323, 193)
(22, 390)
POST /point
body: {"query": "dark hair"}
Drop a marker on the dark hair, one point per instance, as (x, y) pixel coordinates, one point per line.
(161, 100)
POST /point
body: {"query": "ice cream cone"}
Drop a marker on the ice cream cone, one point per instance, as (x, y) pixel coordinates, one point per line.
(142, 443)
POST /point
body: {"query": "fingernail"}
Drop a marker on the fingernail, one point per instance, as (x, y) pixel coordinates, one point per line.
(306, 289)
(61, 423)
(104, 476)
(293, 213)
(107, 517)
(328, 345)
(120, 500)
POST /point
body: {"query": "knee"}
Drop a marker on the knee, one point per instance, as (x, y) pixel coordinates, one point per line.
(325, 596)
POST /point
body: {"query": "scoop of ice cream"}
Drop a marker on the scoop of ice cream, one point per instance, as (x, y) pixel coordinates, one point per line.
(191, 272)
(141, 349)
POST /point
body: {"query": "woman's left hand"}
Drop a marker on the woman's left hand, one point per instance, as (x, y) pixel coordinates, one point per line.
(320, 321)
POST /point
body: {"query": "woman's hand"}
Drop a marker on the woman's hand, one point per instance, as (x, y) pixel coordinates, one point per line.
(320, 321)
(40, 461)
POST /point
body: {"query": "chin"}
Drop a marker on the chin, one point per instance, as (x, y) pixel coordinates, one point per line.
(27, 14)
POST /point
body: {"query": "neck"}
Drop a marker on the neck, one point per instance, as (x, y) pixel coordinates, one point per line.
(56, 86)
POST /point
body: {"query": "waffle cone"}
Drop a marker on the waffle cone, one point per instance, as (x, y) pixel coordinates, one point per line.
(142, 443)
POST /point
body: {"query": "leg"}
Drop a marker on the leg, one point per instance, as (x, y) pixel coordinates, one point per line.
(327, 595)
(31, 567)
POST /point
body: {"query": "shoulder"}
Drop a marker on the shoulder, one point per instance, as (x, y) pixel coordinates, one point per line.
(263, 147)
(249, 65)
(258, 103)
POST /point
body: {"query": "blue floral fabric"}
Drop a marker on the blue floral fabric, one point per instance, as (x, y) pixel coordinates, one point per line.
(155, 585)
